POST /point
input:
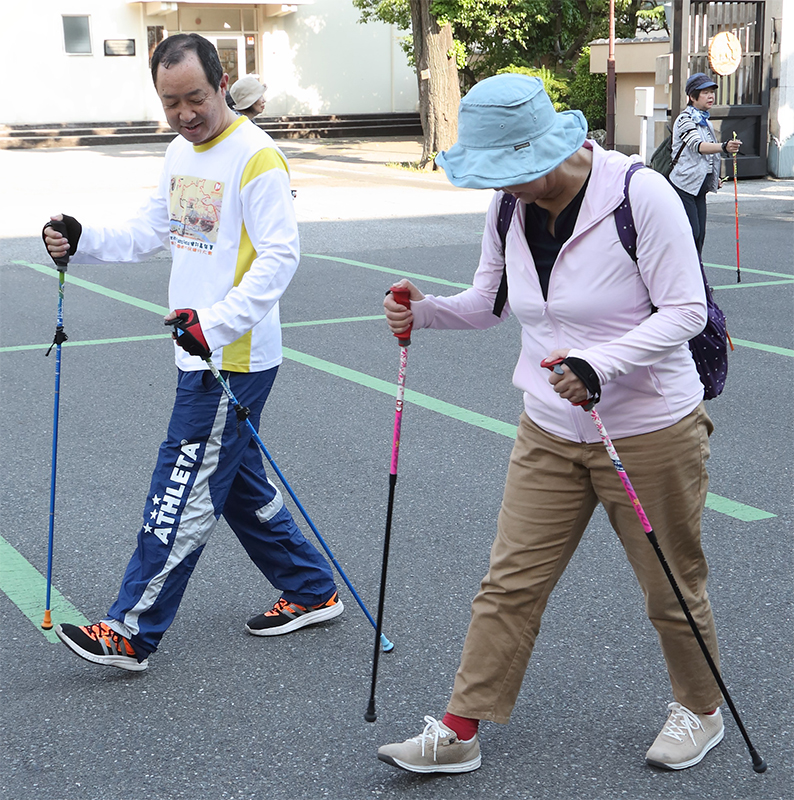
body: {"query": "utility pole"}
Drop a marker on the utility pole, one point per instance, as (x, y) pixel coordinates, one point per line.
(680, 47)
(610, 141)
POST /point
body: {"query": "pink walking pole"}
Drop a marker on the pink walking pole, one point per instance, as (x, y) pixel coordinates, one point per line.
(759, 765)
(403, 297)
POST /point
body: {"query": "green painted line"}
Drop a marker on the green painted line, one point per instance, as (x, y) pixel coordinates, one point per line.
(416, 398)
(119, 340)
(768, 348)
(391, 271)
(330, 321)
(26, 588)
(123, 339)
(103, 290)
(732, 508)
(751, 271)
(751, 285)
(723, 505)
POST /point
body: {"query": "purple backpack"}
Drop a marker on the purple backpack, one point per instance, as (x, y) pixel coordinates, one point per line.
(709, 348)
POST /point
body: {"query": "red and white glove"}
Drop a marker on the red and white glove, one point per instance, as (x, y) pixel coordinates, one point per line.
(188, 333)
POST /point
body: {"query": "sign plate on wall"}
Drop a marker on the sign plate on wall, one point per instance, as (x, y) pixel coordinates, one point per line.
(725, 53)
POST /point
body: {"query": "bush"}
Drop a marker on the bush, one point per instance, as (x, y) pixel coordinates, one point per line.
(588, 92)
(556, 87)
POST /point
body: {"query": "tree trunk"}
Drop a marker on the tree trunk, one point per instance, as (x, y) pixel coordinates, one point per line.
(437, 75)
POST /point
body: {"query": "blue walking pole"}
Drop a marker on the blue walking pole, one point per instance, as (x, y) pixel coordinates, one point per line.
(59, 338)
(242, 415)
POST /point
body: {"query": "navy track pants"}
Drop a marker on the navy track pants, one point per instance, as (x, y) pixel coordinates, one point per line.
(210, 465)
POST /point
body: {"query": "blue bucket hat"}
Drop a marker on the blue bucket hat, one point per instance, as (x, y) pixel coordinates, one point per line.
(509, 133)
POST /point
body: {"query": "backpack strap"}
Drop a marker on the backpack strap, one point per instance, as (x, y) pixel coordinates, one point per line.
(624, 219)
(506, 206)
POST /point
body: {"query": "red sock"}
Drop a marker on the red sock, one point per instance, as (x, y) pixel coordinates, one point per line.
(464, 727)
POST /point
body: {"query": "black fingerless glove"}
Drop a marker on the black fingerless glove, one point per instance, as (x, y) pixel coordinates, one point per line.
(587, 375)
(68, 227)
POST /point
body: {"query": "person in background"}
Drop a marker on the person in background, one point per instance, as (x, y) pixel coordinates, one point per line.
(697, 170)
(248, 95)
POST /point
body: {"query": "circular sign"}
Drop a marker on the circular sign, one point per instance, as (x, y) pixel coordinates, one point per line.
(725, 53)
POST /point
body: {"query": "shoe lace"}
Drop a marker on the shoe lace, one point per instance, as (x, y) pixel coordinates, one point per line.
(99, 630)
(681, 722)
(433, 730)
(280, 605)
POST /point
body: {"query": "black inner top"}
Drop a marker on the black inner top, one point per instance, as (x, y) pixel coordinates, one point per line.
(545, 246)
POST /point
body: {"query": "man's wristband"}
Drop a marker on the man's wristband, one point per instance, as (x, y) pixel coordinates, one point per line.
(724, 147)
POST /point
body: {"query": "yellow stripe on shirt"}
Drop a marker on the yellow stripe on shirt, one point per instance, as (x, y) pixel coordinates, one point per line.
(262, 161)
(202, 148)
(237, 355)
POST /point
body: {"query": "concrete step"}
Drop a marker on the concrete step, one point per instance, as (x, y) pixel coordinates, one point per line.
(15, 137)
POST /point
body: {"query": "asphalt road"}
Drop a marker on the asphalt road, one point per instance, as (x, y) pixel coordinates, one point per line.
(221, 714)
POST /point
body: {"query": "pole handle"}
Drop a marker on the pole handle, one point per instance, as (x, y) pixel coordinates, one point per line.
(62, 262)
(554, 366)
(403, 297)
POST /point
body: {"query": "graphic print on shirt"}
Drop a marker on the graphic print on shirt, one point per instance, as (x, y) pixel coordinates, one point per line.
(195, 211)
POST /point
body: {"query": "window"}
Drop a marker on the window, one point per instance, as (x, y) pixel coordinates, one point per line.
(76, 35)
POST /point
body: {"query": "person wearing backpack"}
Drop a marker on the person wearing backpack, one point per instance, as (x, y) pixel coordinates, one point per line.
(621, 324)
(696, 172)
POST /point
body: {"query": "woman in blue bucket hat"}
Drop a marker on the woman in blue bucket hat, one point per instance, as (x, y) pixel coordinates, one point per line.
(622, 328)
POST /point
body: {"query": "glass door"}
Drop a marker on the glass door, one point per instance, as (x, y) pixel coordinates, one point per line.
(231, 51)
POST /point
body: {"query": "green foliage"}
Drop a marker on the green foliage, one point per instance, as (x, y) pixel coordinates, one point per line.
(651, 17)
(588, 92)
(392, 12)
(556, 87)
(493, 35)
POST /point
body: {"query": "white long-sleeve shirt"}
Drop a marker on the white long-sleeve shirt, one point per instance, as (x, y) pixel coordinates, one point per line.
(599, 305)
(226, 210)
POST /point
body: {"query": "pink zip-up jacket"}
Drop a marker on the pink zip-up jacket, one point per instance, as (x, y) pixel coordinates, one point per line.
(599, 305)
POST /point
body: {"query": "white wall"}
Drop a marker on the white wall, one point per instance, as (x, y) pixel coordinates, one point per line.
(321, 61)
(318, 60)
(49, 85)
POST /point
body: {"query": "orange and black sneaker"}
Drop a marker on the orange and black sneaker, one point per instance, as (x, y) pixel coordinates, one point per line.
(285, 617)
(101, 645)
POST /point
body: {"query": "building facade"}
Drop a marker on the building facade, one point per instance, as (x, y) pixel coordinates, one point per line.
(763, 84)
(88, 60)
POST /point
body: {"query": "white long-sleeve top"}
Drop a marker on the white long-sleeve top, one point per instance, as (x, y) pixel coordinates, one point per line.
(599, 305)
(226, 210)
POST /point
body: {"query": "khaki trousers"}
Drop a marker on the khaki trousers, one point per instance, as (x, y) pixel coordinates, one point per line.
(553, 486)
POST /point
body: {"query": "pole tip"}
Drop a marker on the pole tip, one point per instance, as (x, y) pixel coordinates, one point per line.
(387, 645)
(47, 622)
(370, 715)
(759, 765)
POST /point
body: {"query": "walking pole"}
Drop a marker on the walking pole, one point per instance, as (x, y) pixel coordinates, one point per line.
(242, 416)
(59, 338)
(403, 297)
(736, 207)
(759, 765)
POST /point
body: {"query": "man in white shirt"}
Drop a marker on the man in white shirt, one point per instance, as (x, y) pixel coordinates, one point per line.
(224, 206)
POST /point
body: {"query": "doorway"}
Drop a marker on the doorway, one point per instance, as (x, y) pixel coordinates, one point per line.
(237, 54)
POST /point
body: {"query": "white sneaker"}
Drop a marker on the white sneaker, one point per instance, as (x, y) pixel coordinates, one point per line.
(685, 738)
(436, 749)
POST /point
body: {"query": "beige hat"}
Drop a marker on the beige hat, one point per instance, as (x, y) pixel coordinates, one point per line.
(246, 92)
